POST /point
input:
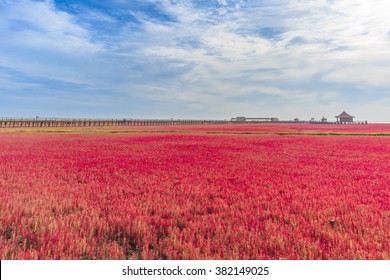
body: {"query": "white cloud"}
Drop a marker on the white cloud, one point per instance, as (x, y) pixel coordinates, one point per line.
(361, 75)
(233, 46)
(356, 26)
(222, 2)
(41, 42)
(39, 25)
(275, 55)
(332, 35)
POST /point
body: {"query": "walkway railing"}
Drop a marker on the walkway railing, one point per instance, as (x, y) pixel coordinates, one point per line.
(58, 122)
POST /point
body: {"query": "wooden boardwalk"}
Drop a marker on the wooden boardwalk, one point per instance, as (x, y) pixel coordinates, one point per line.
(54, 122)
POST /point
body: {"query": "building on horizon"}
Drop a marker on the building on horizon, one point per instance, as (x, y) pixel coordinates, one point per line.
(344, 118)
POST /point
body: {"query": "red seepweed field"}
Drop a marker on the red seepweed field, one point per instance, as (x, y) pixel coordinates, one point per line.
(194, 195)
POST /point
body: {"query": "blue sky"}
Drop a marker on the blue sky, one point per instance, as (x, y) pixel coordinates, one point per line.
(213, 59)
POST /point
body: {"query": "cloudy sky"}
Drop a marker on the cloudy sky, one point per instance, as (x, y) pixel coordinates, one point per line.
(206, 59)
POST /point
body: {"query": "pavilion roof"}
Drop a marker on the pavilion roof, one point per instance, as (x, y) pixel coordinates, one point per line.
(344, 115)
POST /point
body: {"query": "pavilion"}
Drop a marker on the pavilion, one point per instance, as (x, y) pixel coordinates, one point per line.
(344, 118)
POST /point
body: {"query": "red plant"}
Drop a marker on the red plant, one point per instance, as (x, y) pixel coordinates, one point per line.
(296, 128)
(193, 196)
